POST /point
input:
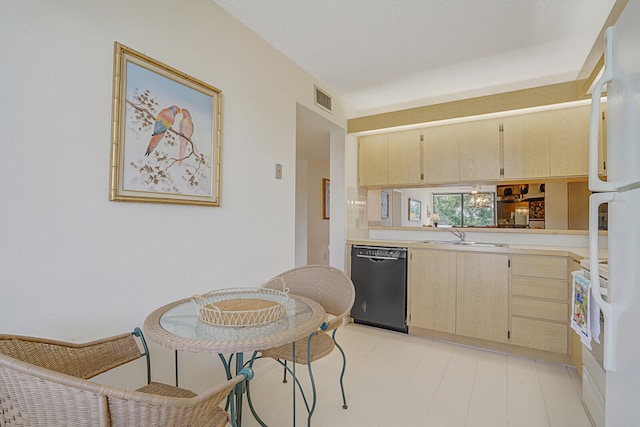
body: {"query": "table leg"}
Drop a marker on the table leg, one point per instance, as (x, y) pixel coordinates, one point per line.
(253, 410)
(239, 390)
(293, 357)
(235, 403)
(176, 359)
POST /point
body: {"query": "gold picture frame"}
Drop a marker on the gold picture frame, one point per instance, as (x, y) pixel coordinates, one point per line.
(326, 196)
(165, 142)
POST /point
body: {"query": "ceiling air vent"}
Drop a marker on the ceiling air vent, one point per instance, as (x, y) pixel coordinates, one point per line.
(323, 99)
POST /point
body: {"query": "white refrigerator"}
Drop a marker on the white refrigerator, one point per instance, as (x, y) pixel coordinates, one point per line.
(621, 190)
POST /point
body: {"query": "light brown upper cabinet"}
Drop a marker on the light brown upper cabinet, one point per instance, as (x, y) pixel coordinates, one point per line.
(390, 159)
(479, 143)
(441, 154)
(553, 143)
(569, 149)
(373, 159)
(462, 152)
(405, 157)
(545, 144)
(527, 138)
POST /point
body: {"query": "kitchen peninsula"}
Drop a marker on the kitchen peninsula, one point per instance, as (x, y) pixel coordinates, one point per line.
(510, 291)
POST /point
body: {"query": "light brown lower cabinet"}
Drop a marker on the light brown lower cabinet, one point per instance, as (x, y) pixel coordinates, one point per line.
(482, 306)
(459, 293)
(432, 288)
(540, 302)
(539, 334)
(512, 300)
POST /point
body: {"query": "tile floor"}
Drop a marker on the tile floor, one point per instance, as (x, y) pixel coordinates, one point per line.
(395, 379)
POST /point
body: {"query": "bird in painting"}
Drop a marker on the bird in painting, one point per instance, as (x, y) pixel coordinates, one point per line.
(186, 130)
(164, 121)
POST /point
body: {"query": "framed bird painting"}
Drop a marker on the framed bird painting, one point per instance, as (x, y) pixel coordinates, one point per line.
(165, 134)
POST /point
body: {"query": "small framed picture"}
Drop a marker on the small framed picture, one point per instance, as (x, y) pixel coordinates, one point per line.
(384, 204)
(415, 210)
(326, 193)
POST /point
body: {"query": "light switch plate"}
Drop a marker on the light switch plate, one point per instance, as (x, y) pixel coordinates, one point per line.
(278, 171)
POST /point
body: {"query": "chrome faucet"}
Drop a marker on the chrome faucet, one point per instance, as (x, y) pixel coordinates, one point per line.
(459, 234)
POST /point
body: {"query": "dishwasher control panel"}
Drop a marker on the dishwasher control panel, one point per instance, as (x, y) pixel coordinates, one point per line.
(379, 252)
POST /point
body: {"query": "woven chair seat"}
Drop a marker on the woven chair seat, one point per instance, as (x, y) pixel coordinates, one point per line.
(166, 390)
(321, 345)
(219, 417)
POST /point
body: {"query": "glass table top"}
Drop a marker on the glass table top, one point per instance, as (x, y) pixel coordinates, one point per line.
(177, 326)
(183, 321)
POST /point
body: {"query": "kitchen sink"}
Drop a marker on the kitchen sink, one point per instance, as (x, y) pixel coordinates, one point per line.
(465, 243)
(485, 245)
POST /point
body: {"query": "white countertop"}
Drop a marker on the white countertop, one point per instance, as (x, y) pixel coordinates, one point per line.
(577, 253)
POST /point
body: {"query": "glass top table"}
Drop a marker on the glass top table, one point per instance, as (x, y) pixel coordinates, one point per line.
(176, 326)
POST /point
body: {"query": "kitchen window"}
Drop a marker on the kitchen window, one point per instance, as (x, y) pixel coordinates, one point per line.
(465, 209)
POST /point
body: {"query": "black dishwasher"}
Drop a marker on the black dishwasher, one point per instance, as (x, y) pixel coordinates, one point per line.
(380, 277)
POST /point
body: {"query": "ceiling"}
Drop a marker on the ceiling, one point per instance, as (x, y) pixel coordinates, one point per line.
(385, 55)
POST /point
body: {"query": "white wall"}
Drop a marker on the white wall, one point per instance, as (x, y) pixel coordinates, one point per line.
(74, 265)
(302, 216)
(338, 213)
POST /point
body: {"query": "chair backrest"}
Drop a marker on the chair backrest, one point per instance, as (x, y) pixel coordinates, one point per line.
(326, 285)
(39, 388)
(79, 360)
(33, 396)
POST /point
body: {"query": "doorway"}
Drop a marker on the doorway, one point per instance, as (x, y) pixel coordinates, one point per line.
(319, 157)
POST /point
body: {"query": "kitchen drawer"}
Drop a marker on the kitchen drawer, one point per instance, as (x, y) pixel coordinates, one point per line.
(540, 288)
(545, 310)
(539, 334)
(540, 266)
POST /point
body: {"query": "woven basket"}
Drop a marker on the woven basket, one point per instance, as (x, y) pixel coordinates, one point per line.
(241, 306)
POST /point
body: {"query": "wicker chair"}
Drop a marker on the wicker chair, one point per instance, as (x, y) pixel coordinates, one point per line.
(334, 291)
(45, 383)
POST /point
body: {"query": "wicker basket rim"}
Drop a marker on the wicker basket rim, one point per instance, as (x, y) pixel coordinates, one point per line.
(209, 312)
